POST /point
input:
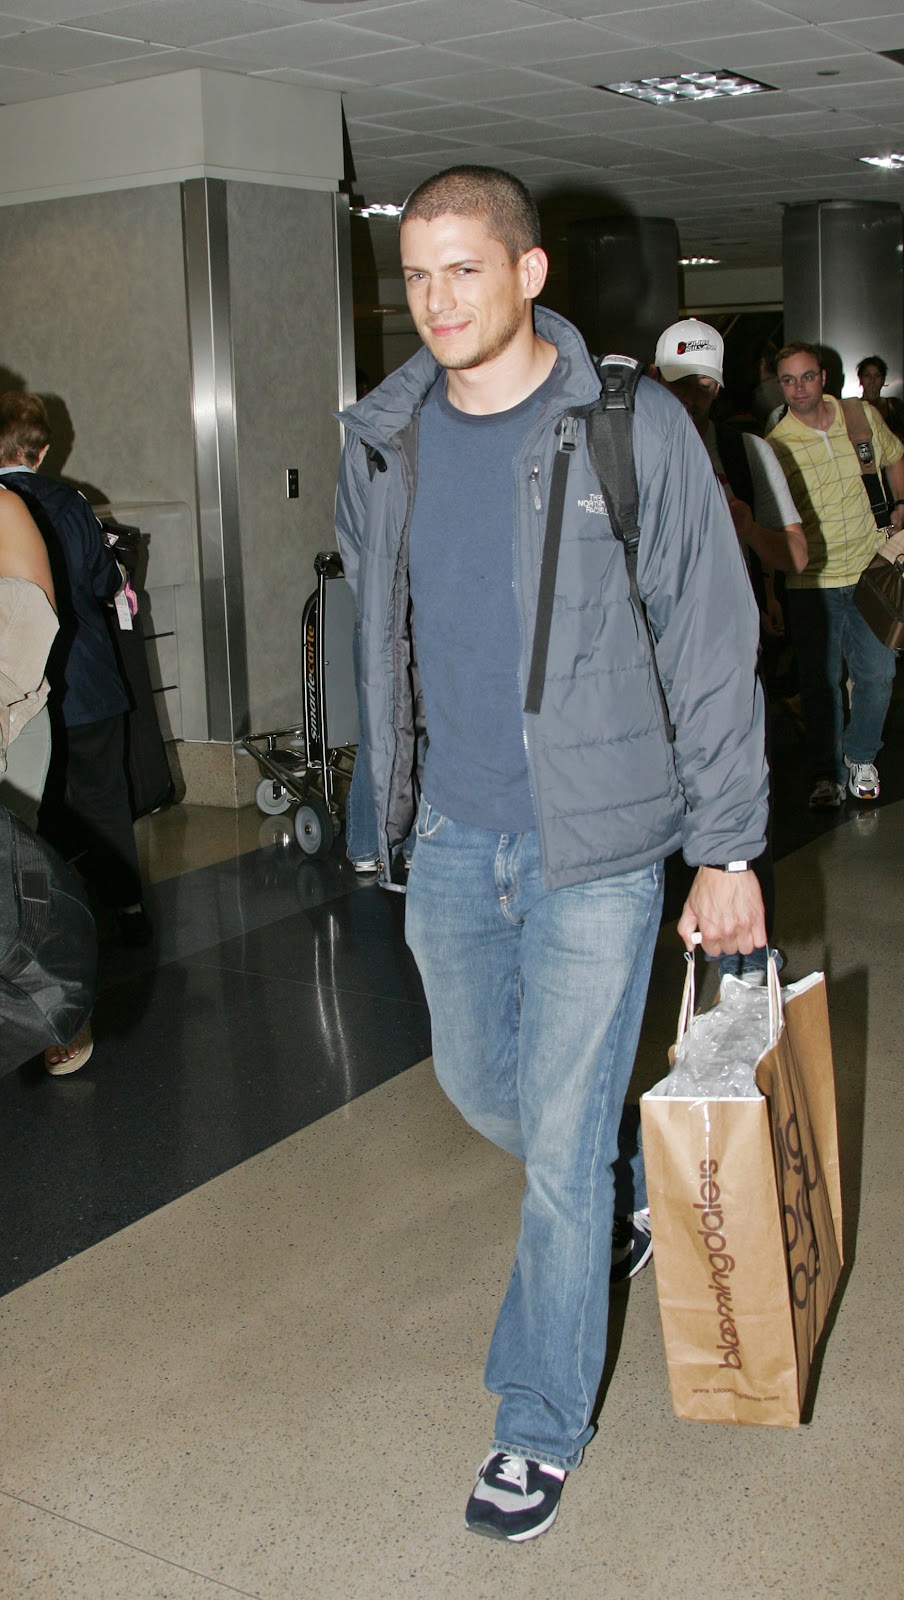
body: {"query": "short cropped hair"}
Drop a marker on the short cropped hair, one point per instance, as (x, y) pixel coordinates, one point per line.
(799, 348)
(872, 361)
(24, 428)
(498, 198)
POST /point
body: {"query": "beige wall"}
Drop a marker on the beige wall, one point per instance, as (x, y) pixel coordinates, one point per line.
(94, 314)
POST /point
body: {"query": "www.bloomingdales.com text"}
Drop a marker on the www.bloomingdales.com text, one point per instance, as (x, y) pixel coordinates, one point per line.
(721, 1264)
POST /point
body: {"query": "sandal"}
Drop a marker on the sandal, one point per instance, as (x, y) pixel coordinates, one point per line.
(73, 1055)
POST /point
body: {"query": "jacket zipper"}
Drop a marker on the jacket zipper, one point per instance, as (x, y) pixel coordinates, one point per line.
(534, 486)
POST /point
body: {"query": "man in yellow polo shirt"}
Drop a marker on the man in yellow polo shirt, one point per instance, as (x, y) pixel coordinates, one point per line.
(824, 475)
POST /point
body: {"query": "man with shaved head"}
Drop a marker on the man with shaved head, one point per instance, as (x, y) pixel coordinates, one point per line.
(520, 721)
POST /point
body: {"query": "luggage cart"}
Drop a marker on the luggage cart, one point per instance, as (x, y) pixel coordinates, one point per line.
(310, 764)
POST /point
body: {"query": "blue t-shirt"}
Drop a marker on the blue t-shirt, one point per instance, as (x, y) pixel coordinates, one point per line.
(461, 564)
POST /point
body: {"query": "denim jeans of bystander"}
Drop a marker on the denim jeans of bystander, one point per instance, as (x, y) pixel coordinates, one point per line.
(830, 635)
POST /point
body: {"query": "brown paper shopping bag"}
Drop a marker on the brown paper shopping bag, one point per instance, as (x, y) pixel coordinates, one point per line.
(745, 1207)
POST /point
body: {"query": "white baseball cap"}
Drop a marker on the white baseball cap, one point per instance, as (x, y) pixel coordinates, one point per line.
(690, 348)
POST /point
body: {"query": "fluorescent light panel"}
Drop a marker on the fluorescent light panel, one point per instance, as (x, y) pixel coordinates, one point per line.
(890, 163)
(699, 261)
(376, 210)
(687, 86)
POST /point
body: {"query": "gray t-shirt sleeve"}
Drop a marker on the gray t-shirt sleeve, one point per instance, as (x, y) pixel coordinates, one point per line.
(773, 506)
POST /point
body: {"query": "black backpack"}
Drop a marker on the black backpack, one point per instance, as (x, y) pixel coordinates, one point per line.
(48, 947)
(610, 440)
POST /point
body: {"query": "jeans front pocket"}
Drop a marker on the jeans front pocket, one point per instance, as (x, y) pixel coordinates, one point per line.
(429, 820)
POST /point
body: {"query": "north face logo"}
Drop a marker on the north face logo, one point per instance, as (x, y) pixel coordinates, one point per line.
(594, 505)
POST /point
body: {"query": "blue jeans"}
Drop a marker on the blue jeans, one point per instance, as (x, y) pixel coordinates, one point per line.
(361, 833)
(536, 999)
(361, 838)
(828, 631)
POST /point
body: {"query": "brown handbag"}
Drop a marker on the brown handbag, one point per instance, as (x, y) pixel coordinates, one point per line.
(879, 597)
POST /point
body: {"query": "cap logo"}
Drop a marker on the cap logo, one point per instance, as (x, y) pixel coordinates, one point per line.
(687, 345)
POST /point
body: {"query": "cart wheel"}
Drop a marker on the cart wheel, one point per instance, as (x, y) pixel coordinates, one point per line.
(271, 798)
(314, 827)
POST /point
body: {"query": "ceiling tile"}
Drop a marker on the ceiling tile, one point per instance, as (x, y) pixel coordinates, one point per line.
(754, 54)
(858, 67)
(173, 22)
(874, 33)
(17, 86)
(539, 46)
(439, 21)
(692, 20)
(55, 49)
(59, 10)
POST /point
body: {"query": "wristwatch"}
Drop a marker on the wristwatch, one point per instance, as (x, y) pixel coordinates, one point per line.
(732, 866)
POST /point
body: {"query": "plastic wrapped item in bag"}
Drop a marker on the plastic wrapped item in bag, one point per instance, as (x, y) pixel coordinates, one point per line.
(718, 1055)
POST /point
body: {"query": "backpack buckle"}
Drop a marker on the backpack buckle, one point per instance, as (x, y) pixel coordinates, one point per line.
(614, 391)
(568, 433)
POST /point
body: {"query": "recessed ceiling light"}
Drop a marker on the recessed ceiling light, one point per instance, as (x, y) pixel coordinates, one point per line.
(698, 261)
(683, 86)
(390, 210)
(890, 163)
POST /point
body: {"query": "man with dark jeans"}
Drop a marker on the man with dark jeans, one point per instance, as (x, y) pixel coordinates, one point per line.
(549, 794)
(825, 478)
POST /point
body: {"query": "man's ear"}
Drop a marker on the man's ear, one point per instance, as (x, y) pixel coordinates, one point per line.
(41, 456)
(534, 269)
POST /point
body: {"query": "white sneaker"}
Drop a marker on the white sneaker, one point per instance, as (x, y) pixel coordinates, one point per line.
(864, 779)
(826, 795)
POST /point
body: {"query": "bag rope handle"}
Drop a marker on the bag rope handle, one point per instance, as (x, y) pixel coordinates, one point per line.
(689, 996)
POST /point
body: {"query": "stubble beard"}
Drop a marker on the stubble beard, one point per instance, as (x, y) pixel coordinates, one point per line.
(805, 408)
(479, 354)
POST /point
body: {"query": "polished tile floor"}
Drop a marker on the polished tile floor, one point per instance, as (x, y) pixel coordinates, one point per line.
(251, 1257)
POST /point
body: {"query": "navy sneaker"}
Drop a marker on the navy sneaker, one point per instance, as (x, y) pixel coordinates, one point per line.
(632, 1245)
(514, 1498)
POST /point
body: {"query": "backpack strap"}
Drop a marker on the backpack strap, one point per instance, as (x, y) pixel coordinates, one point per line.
(568, 437)
(861, 436)
(613, 410)
(610, 441)
(859, 432)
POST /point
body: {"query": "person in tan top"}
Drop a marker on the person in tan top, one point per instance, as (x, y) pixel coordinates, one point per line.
(28, 627)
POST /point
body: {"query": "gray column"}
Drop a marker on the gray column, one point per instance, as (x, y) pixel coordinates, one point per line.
(213, 405)
(844, 285)
(623, 282)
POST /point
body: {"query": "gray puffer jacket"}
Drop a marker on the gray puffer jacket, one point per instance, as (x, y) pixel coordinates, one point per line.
(611, 793)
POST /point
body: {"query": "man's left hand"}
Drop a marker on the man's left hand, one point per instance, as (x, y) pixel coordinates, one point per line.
(727, 910)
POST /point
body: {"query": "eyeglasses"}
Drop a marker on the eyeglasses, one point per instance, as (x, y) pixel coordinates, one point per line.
(788, 382)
